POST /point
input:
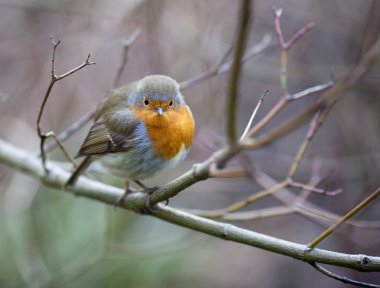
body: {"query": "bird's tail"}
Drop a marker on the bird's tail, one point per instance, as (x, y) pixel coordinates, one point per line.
(78, 171)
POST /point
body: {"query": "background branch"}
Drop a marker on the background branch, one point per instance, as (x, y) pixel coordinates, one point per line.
(342, 278)
(241, 40)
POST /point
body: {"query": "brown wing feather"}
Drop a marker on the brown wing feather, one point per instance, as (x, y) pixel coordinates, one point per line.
(101, 140)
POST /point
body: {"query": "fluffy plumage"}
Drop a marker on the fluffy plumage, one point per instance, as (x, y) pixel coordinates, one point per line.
(139, 129)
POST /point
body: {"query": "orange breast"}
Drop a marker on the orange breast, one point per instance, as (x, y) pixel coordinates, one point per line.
(168, 133)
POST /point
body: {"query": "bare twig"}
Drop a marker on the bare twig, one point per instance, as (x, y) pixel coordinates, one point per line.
(349, 215)
(314, 124)
(279, 131)
(299, 34)
(285, 46)
(253, 115)
(312, 90)
(124, 57)
(314, 180)
(54, 79)
(259, 214)
(223, 67)
(282, 104)
(276, 109)
(342, 278)
(311, 188)
(241, 40)
(61, 146)
(208, 74)
(277, 12)
(242, 203)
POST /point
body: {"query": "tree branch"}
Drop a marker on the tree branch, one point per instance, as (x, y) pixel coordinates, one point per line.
(241, 40)
(54, 79)
(343, 278)
(26, 162)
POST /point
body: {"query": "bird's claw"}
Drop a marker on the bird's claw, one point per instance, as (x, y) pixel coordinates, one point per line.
(150, 207)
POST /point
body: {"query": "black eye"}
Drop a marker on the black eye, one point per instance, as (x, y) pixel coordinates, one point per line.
(171, 103)
(146, 102)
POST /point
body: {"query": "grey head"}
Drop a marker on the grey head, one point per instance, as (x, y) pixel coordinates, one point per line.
(158, 89)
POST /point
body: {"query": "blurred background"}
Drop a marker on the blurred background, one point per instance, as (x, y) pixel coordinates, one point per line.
(53, 239)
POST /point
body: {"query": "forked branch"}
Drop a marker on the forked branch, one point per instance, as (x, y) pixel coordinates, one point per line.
(54, 79)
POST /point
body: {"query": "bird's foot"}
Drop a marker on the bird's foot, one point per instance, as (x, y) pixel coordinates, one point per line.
(151, 207)
(127, 191)
(150, 190)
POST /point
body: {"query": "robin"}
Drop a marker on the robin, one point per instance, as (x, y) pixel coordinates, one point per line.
(139, 129)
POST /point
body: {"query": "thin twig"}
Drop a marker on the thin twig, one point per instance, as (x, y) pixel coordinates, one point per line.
(253, 115)
(279, 131)
(314, 180)
(282, 104)
(241, 40)
(311, 188)
(349, 215)
(313, 127)
(208, 74)
(242, 203)
(342, 278)
(54, 79)
(276, 109)
(253, 214)
(72, 71)
(61, 146)
(124, 57)
(299, 34)
(277, 12)
(223, 67)
(312, 90)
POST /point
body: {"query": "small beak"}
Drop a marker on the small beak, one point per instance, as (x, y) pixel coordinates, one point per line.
(160, 111)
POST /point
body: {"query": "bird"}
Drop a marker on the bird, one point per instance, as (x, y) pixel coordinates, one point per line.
(139, 130)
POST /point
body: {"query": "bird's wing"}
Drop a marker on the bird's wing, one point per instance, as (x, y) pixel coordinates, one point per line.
(113, 130)
(102, 140)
